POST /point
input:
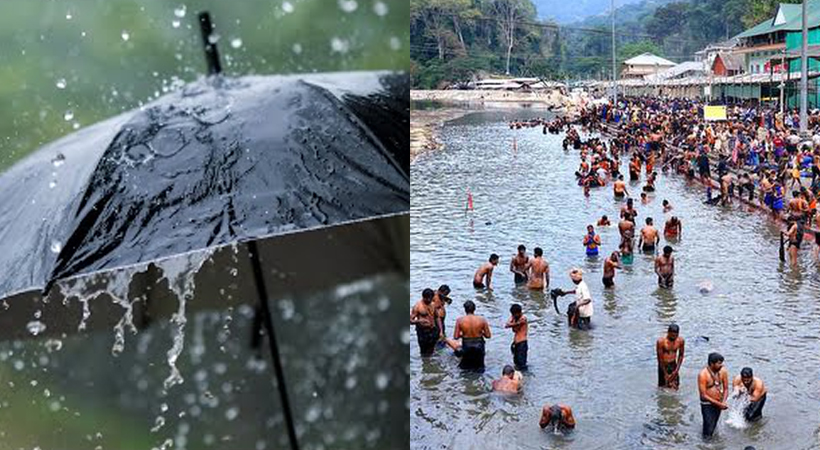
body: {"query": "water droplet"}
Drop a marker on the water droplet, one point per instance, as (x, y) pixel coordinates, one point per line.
(60, 83)
(125, 35)
(236, 42)
(158, 423)
(175, 23)
(38, 314)
(68, 16)
(380, 8)
(348, 6)
(47, 393)
(68, 115)
(384, 304)
(52, 184)
(163, 407)
(381, 381)
(58, 160)
(18, 365)
(297, 48)
(339, 45)
(35, 327)
(75, 125)
(180, 11)
(405, 337)
(313, 413)
(287, 7)
(53, 345)
(56, 246)
(213, 38)
(231, 413)
(350, 383)
(395, 43)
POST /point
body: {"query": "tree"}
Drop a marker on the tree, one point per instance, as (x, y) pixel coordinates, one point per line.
(509, 14)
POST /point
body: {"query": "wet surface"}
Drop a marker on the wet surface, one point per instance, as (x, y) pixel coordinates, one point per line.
(760, 313)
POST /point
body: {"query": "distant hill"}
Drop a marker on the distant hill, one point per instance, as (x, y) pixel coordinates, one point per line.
(566, 12)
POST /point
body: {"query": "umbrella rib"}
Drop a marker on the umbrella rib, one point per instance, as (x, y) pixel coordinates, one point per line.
(262, 294)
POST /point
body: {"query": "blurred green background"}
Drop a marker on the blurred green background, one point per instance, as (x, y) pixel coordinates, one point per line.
(68, 64)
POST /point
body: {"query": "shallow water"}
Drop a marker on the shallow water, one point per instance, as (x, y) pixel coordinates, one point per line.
(761, 313)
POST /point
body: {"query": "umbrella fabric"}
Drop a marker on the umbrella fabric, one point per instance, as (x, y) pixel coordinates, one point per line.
(221, 160)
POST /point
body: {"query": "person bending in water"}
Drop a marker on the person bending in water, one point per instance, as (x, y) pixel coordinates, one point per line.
(666, 206)
(423, 316)
(665, 268)
(519, 265)
(519, 347)
(510, 381)
(581, 309)
(472, 330)
(713, 383)
(672, 228)
(649, 237)
(628, 211)
(484, 275)
(604, 221)
(670, 349)
(539, 276)
(748, 384)
(592, 241)
(610, 264)
(559, 416)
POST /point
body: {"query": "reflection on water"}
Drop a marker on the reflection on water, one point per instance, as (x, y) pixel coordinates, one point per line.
(755, 312)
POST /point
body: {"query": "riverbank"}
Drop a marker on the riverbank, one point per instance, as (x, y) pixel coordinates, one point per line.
(551, 99)
(424, 127)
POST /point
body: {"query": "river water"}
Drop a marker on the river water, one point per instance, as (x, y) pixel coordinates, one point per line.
(761, 313)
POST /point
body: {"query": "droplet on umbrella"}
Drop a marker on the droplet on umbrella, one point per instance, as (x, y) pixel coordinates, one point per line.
(163, 407)
(339, 45)
(213, 38)
(53, 345)
(58, 160)
(287, 7)
(56, 246)
(236, 42)
(35, 327)
(175, 23)
(348, 6)
(232, 413)
(180, 11)
(297, 48)
(68, 16)
(68, 115)
(125, 35)
(61, 83)
(381, 381)
(380, 8)
(52, 184)
(405, 337)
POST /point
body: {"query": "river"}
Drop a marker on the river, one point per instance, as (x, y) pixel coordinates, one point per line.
(761, 313)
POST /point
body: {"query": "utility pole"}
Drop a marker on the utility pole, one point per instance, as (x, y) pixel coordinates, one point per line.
(614, 63)
(804, 76)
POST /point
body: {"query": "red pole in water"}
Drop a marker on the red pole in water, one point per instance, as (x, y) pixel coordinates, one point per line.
(469, 201)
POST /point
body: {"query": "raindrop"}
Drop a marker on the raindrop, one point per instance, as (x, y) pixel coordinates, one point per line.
(52, 184)
(163, 407)
(348, 6)
(213, 38)
(125, 36)
(381, 381)
(75, 125)
(380, 8)
(405, 336)
(56, 246)
(236, 42)
(47, 393)
(175, 23)
(384, 304)
(395, 43)
(68, 16)
(58, 160)
(339, 45)
(297, 48)
(231, 413)
(38, 314)
(350, 383)
(313, 413)
(158, 423)
(18, 365)
(180, 11)
(68, 115)
(35, 327)
(287, 7)
(53, 345)
(60, 83)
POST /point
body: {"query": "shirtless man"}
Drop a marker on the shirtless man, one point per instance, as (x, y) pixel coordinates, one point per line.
(519, 265)
(670, 349)
(626, 228)
(619, 188)
(472, 330)
(440, 299)
(539, 275)
(649, 237)
(510, 381)
(423, 316)
(604, 221)
(713, 386)
(665, 268)
(672, 228)
(748, 384)
(794, 233)
(666, 206)
(798, 207)
(628, 211)
(519, 347)
(559, 416)
(610, 264)
(483, 277)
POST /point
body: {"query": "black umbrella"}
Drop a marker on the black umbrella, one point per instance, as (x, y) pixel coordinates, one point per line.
(308, 173)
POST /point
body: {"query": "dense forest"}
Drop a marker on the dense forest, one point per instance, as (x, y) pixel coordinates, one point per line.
(453, 41)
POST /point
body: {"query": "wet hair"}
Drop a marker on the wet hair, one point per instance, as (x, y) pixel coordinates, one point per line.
(427, 293)
(746, 372)
(673, 328)
(665, 202)
(715, 357)
(649, 221)
(515, 309)
(444, 289)
(605, 217)
(590, 226)
(629, 201)
(507, 370)
(493, 257)
(555, 414)
(795, 193)
(643, 194)
(538, 251)
(522, 248)
(469, 308)
(667, 250)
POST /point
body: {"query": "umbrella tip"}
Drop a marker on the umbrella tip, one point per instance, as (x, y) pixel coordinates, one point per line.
(209, 43)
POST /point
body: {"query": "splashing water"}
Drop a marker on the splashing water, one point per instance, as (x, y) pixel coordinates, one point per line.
(35, 327)
(734, 416)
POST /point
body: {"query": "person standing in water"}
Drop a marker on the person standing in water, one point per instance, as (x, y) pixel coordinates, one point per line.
(423, 316)
(713, 385)
(670, 351)
(665, 268)
(592, 241)
(483, 277)
(539, 275)
(628, 211)
(672, 228)
(583, 299)
(440, 300)
(794, 232)
(472, 330)
(519, 264)
(610, 264)
(619, 188)
(748, 384)
(626, 250)
(649, 237)
(519, 347)
(559, 416)
(509, 382)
